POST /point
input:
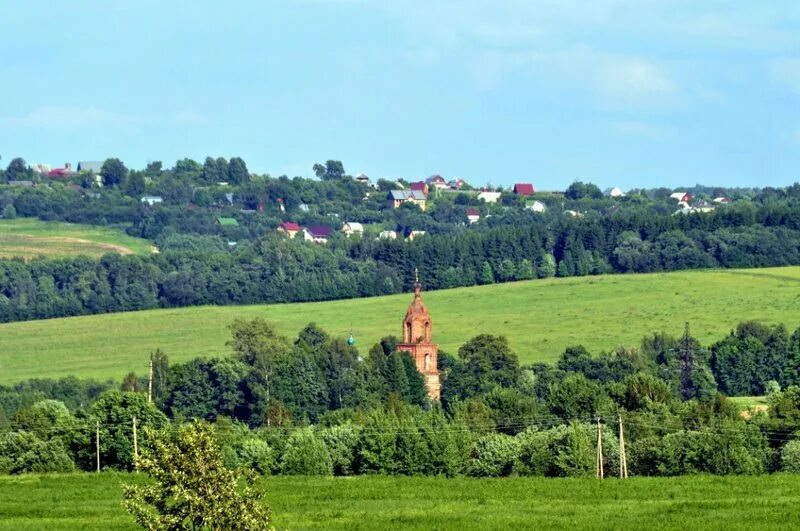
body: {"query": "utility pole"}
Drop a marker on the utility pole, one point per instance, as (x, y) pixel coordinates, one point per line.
(97, 443)
(135, 440)
(623, 457)
(599, 465)
(150, 381)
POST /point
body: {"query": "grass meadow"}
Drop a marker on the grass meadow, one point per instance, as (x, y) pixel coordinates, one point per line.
(90, 501)
(29, 237)
(539, 317)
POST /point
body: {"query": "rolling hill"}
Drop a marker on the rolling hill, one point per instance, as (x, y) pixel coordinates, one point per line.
(29, 237)
(539, 317)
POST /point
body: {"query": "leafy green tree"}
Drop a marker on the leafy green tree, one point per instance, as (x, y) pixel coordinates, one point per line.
(494, 455)
(114, 412)
(487, 276)
(485, 362)
(23, 452)
(525, 270)
(306, 454)
(9, 212)
(547, 267)
(190, 487)
(205, 389)
(790, 456)
(580, 190)
(258, 344)
(237, 171)
(153, 168)
(134, 184)
(113, 172)
(17, 170)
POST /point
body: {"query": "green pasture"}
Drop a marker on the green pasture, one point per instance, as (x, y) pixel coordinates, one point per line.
(29, 237)
(539, 317)
(93, 501)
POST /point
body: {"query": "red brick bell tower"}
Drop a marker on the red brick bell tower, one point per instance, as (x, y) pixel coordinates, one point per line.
(417, 332)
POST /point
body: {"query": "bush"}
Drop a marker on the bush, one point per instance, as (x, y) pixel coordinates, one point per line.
(341, 442)
(494, 455)
(22, 452)
(790, 457)
(306, 454)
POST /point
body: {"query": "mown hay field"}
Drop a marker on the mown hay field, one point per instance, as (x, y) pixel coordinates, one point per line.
(539, 317)
(93, 501)
(29, 238)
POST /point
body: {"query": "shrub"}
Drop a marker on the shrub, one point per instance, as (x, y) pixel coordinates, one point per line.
(493, 455)
(22, 452)
(306, 454)
(790, 456)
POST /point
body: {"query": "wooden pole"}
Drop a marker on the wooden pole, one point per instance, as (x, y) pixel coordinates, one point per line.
(135, 440)
(599, 468)
(97, 443)
(150, 382)
(623, 457)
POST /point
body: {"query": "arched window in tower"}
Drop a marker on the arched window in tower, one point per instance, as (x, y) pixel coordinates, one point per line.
(408, 338)
(427, 363)
(427, 330)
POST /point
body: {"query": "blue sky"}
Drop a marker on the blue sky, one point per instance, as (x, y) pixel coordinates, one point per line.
(620, 93)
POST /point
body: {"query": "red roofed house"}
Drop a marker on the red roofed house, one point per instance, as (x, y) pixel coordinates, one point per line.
(61, 173)
(317, 233)
(473, 215)
(289, 228)
(523, 189)
(420, 186)
(437, 181)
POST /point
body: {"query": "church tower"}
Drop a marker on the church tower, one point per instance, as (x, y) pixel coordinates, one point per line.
(417, 333)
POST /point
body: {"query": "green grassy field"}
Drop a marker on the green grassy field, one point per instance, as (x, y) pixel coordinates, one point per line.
(29, 237)
(88, 501)
(540, 318)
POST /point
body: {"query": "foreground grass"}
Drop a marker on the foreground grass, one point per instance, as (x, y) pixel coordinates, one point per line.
(29, 237)
(540, 318)
(88, 501)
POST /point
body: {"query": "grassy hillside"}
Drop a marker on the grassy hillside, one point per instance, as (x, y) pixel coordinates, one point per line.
(30, 237)
(540, 318)
(89, 501)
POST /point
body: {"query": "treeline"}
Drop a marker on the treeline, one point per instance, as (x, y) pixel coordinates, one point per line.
(313, 406)
(201, 269)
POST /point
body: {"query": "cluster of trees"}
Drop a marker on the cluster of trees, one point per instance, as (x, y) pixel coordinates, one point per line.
(313, 406)
(198, 265)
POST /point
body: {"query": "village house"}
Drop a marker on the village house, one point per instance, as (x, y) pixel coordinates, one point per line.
(456, 184)
(362, 178)
(473, 215)
(413, 234)
(489, 197)
(420, 186)
(303, 207)
(152, 199)
(613, 192)
(93, 167)
(682, 197)
(387, 235)
(437, 181)
(352, 227)
(396, 198)
(722, 200)
(227, 222)
(573, 214)
(289, 228)
(317, 233)
(535, 206)
(523, 189)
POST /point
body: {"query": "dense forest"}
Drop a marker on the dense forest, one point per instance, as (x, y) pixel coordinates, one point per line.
(310, 405)
(201, 261)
